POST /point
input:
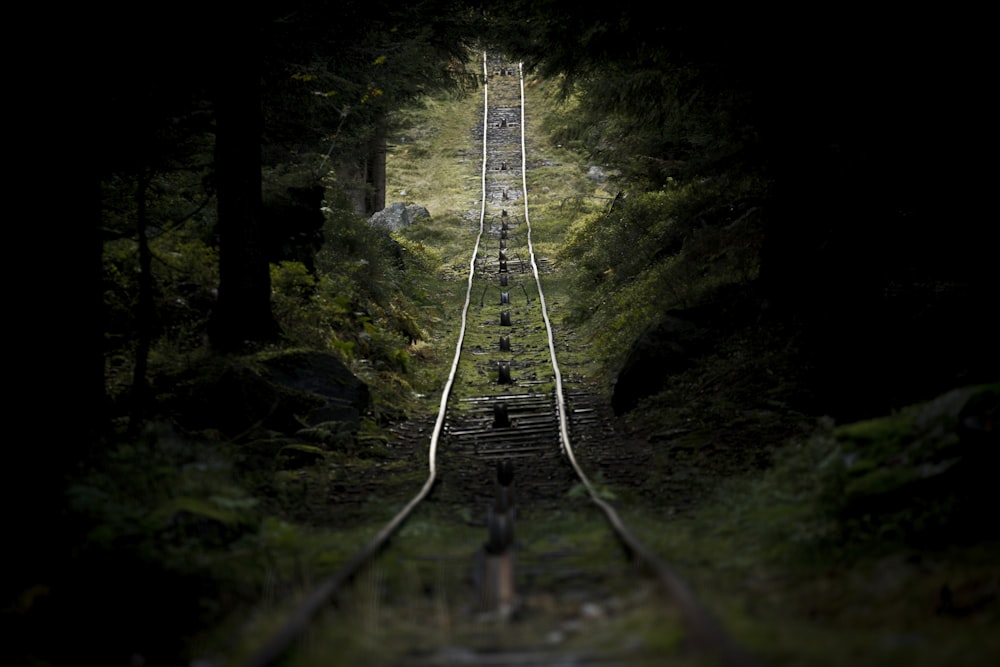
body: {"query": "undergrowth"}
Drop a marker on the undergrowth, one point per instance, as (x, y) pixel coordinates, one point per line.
(655, 252)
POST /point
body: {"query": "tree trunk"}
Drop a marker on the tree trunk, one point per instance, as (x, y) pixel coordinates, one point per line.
(353, 178)
(376, 167)
(243, 313)
(144, 314)
(364, 177)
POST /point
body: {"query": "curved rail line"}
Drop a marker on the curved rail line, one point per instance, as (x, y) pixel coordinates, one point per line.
(703, 630)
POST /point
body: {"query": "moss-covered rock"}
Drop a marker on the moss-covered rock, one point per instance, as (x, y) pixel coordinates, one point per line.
(258, 396)
(922, 473)
(334, 435)
(294, 457)
(209, 521)
(337, 393)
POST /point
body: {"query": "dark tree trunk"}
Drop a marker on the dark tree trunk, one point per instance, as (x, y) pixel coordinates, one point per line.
(144, 315)
(243, 312)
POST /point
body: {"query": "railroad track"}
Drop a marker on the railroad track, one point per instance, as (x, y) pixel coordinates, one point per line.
(503, 449)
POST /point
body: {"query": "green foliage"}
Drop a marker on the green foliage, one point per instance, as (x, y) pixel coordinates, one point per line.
(330, 85)
(360, 303)
(652, 123)
(184, 271)
(304, 315)
(356, 304)
(165, 499)
(653, 99)
(872, 486)
(645, 227)
(674, 248)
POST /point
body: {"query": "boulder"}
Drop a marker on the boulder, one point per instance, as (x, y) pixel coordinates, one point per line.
(280, 394)
(339, 395)
(397, 216)
(677, 341)
(662, 349)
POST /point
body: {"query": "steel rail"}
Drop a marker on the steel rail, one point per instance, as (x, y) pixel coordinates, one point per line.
(703, 628)
(327, 589)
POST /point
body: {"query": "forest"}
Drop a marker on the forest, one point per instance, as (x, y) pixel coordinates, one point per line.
(804, 190)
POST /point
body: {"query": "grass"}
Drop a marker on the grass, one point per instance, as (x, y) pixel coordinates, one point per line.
(430, 162)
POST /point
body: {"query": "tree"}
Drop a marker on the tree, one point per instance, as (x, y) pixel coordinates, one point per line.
(336, 74)
(293, 81)
(319, 47)
(243, 312)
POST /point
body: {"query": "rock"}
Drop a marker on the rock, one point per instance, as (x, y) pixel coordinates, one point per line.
(215, 521)
(674, 343)
(337, 393)
(235, 399)
(597, 174)
(280, 394)
(592, 611)
(665, 348)
(921, 472)
(397, 216)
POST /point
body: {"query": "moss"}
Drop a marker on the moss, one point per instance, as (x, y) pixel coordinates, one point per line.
(211, 521)
(293, 457)
(333, 435)
(878, 437)
(910, 472)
